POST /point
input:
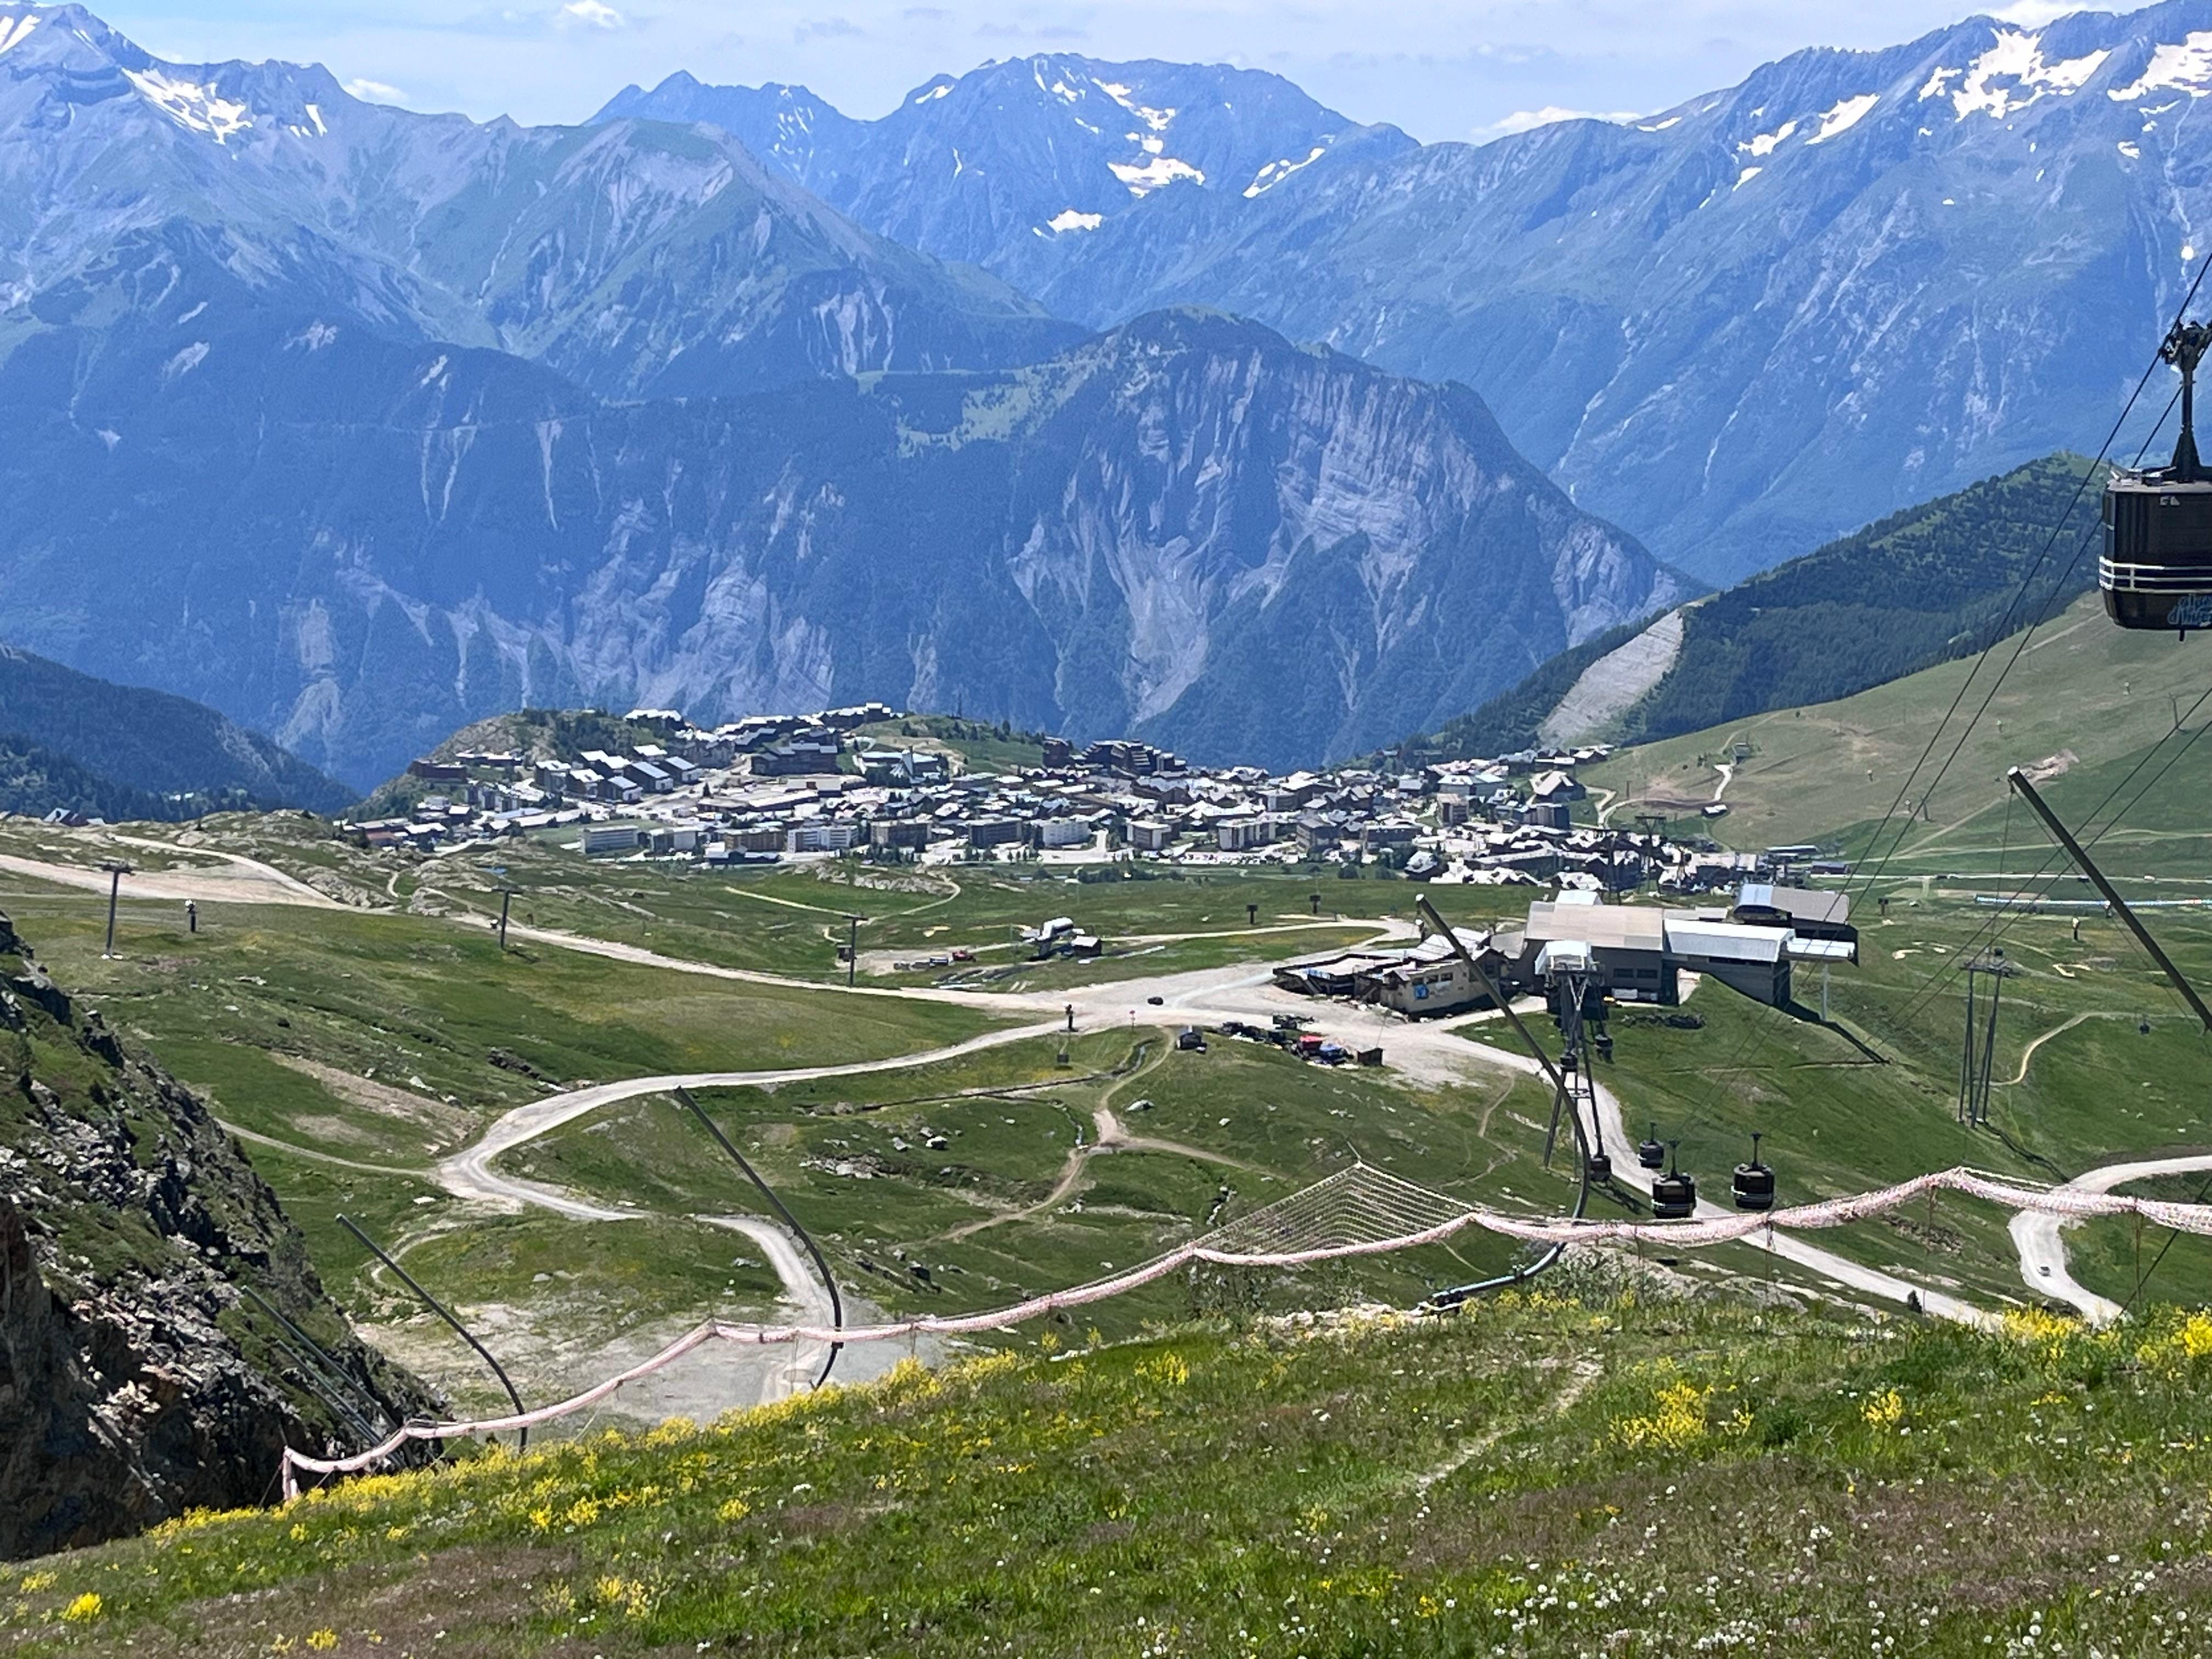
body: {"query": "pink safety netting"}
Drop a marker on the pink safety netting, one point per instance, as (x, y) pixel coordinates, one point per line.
(1357, 1211)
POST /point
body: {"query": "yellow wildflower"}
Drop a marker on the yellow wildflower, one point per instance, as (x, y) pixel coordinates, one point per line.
(1168, 1370)
(1885, 1410)
(1678, 1422)
(83, 1610)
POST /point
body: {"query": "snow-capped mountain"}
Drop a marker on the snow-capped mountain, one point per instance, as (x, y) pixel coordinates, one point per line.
(638, 258)
(1770, 315)
(1740, 328)
(1035, 149)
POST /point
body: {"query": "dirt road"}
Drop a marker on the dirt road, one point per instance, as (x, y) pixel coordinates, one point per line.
(2042, 1246)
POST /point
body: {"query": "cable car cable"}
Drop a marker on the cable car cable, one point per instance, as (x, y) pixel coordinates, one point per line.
(2001, 923)
(2007, 916)
(2004, 623)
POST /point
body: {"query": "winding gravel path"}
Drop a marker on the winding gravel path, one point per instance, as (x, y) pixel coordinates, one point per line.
(468, 1173)
(2040, 1239)
(1430, 1049)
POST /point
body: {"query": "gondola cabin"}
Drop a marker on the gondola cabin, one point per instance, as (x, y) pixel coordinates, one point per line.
(2156, 569)
(1674, 1197)
(1752, 1187)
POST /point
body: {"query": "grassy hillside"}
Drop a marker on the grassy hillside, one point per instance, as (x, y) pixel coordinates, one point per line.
(1919, 587)
(1507, 722)
(1922, 586)
(148, 744)
(2085, 695)
(1542, 1475)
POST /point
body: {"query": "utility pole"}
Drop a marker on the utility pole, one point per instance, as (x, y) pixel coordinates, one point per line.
(1978, 1059)
(852, 949)
(117, 869)
(506, 899)
(1504, 1004)
(2018, 779)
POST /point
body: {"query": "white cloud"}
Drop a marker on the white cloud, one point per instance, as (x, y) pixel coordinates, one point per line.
(375, 92)
(589, 14)
(1527, 120)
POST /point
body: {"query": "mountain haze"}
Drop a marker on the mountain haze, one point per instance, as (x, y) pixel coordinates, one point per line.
(1187, 527)
(1738, 327)
(638, 258)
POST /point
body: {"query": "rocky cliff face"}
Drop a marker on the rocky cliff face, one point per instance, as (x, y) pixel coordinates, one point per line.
(1185, 526)
(137, 1378)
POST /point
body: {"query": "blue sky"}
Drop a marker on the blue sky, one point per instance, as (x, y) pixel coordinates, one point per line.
(1447, 69)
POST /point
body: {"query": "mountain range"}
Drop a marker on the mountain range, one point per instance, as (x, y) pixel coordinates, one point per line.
(636, 258)
(1739, 327)
(1185, 527)
(358, 424)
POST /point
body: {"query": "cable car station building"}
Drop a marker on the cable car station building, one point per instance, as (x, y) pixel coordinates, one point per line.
(1632, 952)
(1637, 953)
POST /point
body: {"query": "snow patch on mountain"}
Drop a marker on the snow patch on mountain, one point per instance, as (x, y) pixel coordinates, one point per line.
(1069, 219)
(1275, 172)
(2186, 67)
(1154, 175)
(14, 31)
(2009, 76)
(1844, 116)
(195, 107)
(1157, 120)
(1764, 143)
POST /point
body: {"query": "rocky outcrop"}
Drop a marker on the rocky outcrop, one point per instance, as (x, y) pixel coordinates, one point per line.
(138, 1377)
